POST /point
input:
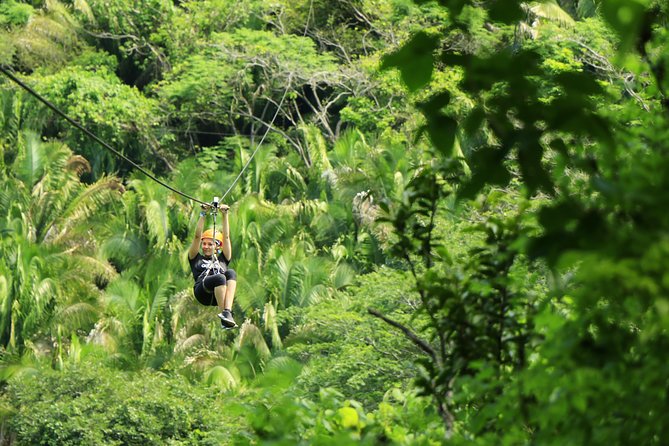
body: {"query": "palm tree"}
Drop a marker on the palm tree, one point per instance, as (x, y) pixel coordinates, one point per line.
(47, 267)
(538, 12)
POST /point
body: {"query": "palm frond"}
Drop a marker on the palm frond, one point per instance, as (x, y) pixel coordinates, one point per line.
(271, 232)
(263, 159)
(125, 298)
(251, 292)
(343, 276)
(587, 8)
(317, 147)
(250, 335)
(124, 246)
(107, 333)
(270, 323)
(220, 376)
(290, 274)
(42, 294)
(47, 37)
(302, 334)
(89, 201)
(284, 365)
(60, 13)
(29, 164)
(549, 10)
(280, 373)
(157, 222)
(190, 343)
(294, 179)
(78, 164)
(77, 315)
(185, 311)
(315, 294)
(349, 150)
(17, 370)
(160, 298)
(201, 360)
(5, 303)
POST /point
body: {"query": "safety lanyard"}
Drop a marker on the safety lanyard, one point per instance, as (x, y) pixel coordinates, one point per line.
(214, 261)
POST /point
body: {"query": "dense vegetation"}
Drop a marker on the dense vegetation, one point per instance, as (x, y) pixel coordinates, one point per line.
(452, 229)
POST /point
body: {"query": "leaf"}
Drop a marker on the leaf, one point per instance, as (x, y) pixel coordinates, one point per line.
(442, 133)
(156, 219)
(250, 335)
(506, 11)
(625, 17)
(270, 324)
(550, 10)
(559, 215)
(414, 59)
(530, 160)
(220, 376)
(31, 165)
(348, 417)
(440, 127)
(488, 167)
(587, 8)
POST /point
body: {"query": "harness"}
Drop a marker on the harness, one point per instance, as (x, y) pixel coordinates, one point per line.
(214, 261)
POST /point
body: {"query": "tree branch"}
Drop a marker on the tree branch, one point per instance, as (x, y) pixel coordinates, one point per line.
(413, 337)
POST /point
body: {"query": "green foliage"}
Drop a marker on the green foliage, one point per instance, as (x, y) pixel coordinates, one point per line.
(133, 33)
(94, 405)
(562, 368)
(278, 417)
(113, 111)
(240, 80)
(348, 29)
(14, 14)
(46, 268)
(532, 314)
(222, 15)
(337, 340)
(45, 37)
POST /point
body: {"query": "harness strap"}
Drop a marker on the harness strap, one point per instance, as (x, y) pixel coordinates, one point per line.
(214, 261)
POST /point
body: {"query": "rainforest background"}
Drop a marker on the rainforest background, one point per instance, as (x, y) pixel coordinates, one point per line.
(455, 230)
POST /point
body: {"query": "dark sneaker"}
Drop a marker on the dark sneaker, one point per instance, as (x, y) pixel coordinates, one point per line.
(226, 319)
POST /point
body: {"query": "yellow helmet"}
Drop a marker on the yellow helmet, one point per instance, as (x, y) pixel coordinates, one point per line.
(209, 233)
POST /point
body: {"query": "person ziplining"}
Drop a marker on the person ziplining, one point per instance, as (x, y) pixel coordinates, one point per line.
(215, 283)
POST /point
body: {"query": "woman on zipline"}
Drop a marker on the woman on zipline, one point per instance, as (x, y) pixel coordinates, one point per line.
(215, 283)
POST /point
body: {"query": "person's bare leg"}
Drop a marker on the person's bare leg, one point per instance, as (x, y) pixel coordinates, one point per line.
(220, 294)
(230, 294)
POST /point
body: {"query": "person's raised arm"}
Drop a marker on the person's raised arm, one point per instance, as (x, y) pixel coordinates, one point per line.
(195, 244)
(226, 246)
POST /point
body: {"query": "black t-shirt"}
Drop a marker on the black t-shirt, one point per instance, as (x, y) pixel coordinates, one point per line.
(200, 263)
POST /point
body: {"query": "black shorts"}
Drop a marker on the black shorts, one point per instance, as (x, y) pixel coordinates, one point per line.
(204, 290)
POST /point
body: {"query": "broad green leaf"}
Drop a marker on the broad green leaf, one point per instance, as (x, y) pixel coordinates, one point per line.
(625, 17)
(506, 11)
(414, 59)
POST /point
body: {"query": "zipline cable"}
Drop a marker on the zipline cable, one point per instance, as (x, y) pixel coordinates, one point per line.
(271, 123)
(95, 137)
(131, 162)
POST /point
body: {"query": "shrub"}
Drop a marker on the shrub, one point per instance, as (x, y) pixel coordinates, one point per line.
(88, 405)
